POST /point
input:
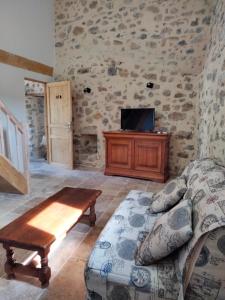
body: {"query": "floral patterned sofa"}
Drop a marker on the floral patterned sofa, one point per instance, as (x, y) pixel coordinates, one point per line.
(196, 271)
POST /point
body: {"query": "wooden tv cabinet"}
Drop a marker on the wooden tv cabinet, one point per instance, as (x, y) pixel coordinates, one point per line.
(137, 154)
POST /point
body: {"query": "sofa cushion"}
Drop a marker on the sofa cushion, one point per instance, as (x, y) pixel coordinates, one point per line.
(171, 231)
(169, 195)
(204, 165)
(111, 272)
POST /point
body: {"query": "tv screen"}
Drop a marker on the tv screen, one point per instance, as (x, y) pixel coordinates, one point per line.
(138, 119)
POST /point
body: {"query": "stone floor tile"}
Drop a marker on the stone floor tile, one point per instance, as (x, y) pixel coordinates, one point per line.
(7, 218)
(69, 283)
(84, 249)
(22, 209)
(19, 289)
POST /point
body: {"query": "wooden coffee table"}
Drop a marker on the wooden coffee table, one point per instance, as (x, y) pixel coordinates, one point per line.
(41, 226)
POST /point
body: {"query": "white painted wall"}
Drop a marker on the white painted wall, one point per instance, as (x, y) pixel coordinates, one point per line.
(26, 29)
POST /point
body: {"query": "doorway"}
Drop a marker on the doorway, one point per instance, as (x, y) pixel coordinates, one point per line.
(49, 117)
(35, 116)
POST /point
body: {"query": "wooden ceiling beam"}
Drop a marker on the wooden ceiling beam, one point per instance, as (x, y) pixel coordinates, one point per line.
(25, 63)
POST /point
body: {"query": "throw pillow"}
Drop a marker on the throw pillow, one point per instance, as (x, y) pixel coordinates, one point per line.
(170, 231)
(169, 195)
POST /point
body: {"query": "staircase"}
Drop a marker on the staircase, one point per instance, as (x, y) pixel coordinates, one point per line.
(14, 175)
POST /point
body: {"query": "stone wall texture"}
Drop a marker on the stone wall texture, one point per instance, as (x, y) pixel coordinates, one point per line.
(34, 88)
(211, 138)
(34, 104)
(115, 47)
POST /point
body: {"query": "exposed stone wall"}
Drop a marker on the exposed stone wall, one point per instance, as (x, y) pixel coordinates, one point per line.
(211, 138)
(115, 47)
(34, 88)
(34, 102)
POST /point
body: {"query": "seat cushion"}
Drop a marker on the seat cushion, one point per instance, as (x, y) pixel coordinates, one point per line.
(111, 270)
(170, 231)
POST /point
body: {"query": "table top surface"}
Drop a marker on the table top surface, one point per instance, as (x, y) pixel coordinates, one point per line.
(39, 227)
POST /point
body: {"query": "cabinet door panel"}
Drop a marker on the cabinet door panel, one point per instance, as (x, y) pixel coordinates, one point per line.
(119, 153)
(147, 155)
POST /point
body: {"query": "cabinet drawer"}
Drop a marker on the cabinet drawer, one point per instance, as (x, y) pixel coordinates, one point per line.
(119, 153)
(147, 155)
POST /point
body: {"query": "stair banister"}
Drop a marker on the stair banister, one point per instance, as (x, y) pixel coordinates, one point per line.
(13, 140)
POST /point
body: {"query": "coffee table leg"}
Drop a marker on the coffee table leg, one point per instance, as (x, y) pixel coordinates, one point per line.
(10, 262)
(45, 271)
(92, 215)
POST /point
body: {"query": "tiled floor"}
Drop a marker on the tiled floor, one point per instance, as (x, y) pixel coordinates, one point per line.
(68, 259)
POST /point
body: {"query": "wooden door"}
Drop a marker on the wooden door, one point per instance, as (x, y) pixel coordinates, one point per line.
(59, 124)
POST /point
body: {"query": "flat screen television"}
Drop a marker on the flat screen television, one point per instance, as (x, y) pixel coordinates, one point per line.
(138, 119)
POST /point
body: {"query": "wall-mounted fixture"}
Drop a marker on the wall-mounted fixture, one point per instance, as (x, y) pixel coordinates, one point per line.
(150, 85)
(87, 90)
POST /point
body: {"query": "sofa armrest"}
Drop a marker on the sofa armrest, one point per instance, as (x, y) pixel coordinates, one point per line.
(207, 280)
